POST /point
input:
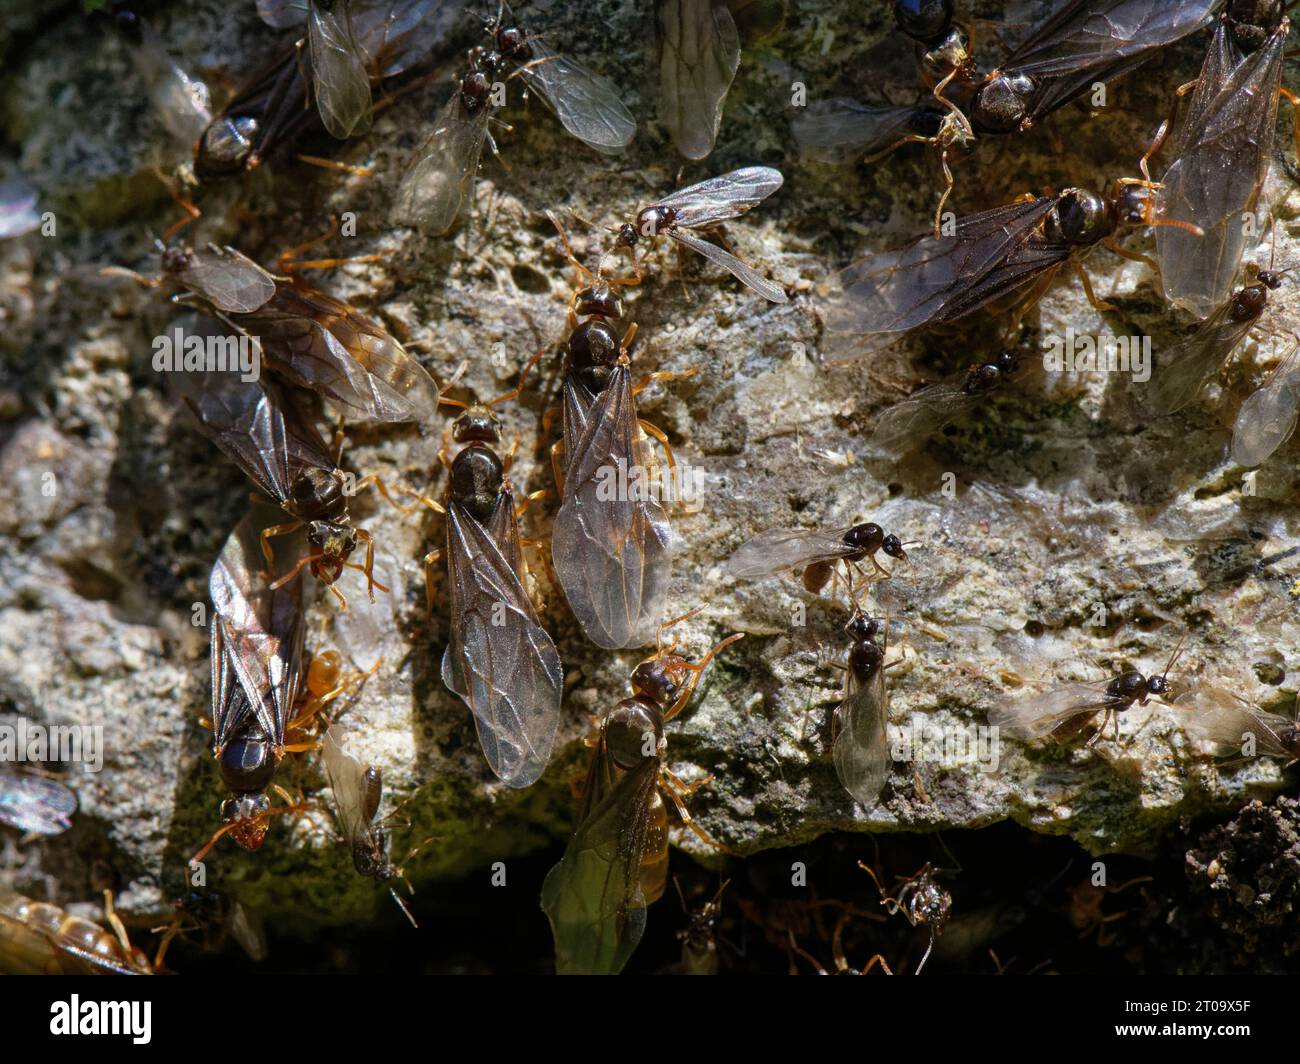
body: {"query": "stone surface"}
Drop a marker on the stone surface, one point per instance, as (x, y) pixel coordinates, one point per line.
(99, 579)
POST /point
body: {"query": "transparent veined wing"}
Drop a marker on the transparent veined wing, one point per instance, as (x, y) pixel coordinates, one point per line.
(321, 343)
(1182, 371)
(499, 660)
(1227, 720)
(719, 198)
(1089, 33)
(840, 130)
(36, 804)
(699, 57)
(396, 34)
(18, 199)
(587, 104)
(257, 631)
(226, 278)
(435, 188)
(282, 14)
(181, 102)
(784, 550)
(742, 271)
(611, 545)
(593, 897)
(576, 407)
(1216, 182)
(259, 426)
(1267, 418)
(347, 779)
(1038, 715)
(861, 750)
(991, 255)
(910, 423)
(338, 66)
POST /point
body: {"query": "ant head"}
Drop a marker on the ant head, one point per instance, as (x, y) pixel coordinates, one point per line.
(1157, 685)
(627, 236)
(336, 540)
(658, 680)
(861, 626)
(893, 546)
(476, 423)
(248, 814)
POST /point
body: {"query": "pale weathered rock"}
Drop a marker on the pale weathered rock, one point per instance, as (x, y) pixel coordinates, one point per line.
(98, 581)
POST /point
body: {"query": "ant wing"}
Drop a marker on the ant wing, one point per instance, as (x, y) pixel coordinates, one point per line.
(257, 632)
(1216, 179)
(1182, 371)
(991, 255)
(321, 343)
(910, 423)
(394, 35)
(783, 550)
(720, 198)
(587, 104)
(35, 804)
(437, 184)
(499, 660)
(260, 427)
(1040, 714)
(611, 544)
(1267, 419)
(1227, 720)
(1099, 40)
(338, 68)
(840, 130)
(282, 14)
(861, 751)
(227, 279)
(699, 56)
(593, 897)
(347, 779)
(742, 271)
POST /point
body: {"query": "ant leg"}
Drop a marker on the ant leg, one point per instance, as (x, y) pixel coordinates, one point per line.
(662, 437)
(879, 959)
(373, 480)
(1099, 305)
(518, 389)
(335, 165)
(697, 671)
(369, 569)
(1132, 256)
(421, 500)
(430, 560)
(541, 493)
(308, 560)
(115, 922)
(556, 447)
(689, 822)
(947, 191)
(646, 381)
(276, 530)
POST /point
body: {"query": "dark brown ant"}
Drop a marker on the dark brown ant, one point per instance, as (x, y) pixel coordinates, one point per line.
(921, 899)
